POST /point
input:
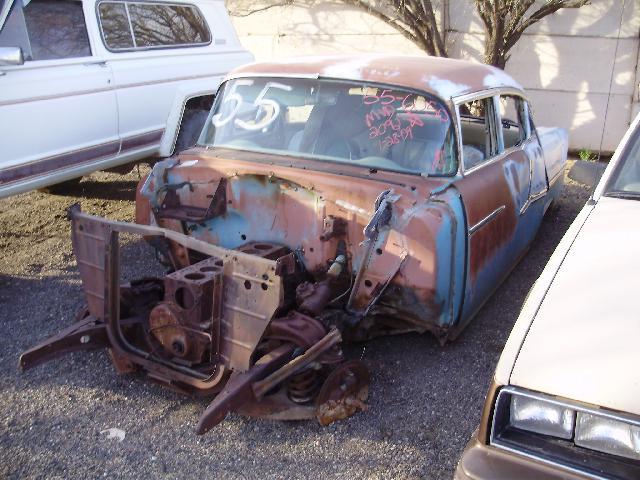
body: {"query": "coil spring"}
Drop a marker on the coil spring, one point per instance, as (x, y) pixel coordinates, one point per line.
(302, 387)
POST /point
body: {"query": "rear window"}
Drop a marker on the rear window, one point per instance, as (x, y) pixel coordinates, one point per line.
(139, 25)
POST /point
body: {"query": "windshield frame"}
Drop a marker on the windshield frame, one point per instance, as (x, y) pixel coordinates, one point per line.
(320, 158)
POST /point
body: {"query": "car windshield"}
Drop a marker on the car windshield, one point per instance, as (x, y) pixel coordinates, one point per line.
(625, 179)
(335, 121)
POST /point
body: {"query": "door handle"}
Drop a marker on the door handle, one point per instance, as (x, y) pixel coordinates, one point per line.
(102, 63)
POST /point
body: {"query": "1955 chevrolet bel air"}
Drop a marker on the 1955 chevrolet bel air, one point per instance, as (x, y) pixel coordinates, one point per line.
(328, 199)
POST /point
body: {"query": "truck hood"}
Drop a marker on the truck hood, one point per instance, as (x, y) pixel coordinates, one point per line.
(584, 342)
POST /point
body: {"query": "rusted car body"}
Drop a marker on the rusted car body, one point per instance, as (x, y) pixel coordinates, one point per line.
(329, 199)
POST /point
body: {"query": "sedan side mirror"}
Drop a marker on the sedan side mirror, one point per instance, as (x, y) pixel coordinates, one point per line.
(11, 56)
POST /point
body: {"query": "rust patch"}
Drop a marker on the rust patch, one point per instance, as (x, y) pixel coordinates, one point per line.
(484, 191)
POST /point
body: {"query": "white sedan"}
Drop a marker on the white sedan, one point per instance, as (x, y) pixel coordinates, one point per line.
(565, 400)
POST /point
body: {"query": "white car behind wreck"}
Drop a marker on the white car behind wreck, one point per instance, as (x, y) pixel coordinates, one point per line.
(565, 401)
(90, 85)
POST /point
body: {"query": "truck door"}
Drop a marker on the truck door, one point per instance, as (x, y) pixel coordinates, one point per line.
(57, 110)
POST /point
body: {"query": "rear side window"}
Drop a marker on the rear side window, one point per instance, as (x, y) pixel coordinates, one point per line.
(479, 142)
(139, 25)
(512, 114)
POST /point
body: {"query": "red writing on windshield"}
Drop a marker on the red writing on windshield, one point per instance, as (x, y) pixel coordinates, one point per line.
(394, 115)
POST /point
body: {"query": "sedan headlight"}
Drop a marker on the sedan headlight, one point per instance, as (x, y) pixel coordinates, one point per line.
(594, 441)
(608, 435)
(541, 417)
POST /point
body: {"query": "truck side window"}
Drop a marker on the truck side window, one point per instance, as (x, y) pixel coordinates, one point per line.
(56, 29)
(167, 25)
(115, 25)
(154, 25)
(478, 139)
(47, 30)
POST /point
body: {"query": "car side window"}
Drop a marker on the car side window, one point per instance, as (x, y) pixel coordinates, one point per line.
(47, 30)
(140, 25)
(512, 118)
(479, 141)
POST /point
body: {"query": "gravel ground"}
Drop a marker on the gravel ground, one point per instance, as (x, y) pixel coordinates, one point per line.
(425, 399)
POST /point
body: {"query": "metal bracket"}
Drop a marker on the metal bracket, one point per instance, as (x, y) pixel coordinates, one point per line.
(87, 334)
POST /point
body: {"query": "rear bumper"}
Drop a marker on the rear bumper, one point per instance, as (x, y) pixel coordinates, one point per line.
(480, 461)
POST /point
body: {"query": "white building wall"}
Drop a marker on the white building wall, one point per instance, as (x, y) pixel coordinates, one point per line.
(572, 64)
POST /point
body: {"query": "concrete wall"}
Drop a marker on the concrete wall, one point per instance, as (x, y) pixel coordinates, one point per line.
(572, 64)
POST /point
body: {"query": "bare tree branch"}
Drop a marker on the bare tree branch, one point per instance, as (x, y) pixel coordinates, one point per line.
(250, 10)
(506, 20)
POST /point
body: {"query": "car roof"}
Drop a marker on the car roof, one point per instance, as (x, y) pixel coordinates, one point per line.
(443, 77)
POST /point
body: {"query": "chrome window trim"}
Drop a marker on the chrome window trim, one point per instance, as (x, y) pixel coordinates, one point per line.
(489, 161)
(479, 95)
(135, 48)
(457, 101)
(517, 146)
(577, 407)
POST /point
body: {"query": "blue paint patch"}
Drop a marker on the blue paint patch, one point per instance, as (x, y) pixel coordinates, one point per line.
(450, 243)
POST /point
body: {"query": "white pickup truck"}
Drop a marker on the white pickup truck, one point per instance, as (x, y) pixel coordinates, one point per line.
(90, 85)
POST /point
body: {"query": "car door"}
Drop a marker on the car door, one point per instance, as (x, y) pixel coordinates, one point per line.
(57, 110)
(495, 186)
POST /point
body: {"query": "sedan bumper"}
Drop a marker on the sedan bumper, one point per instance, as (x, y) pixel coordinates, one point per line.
(480, 461)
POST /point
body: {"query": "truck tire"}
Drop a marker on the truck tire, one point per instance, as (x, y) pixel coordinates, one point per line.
(192, 123)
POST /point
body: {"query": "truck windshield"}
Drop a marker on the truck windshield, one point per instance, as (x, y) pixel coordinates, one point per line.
(336, 121)
(625, 179)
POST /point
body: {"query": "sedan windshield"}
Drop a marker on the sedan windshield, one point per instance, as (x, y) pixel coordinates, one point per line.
(625, 179)
(346, 122)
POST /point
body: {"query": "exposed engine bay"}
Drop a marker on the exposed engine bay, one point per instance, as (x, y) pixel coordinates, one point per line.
(249, 325)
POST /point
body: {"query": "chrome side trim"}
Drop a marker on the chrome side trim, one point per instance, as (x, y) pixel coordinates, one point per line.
(532, 199)
(486, 220)
(555, 177)
(540, 194)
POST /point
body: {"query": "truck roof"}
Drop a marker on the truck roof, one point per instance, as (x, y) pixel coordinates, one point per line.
(443, 77)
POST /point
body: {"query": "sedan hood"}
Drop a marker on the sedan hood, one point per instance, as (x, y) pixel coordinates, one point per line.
(584, 342)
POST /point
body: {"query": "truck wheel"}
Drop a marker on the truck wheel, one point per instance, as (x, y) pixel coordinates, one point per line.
(192, 123)
(61, 188)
